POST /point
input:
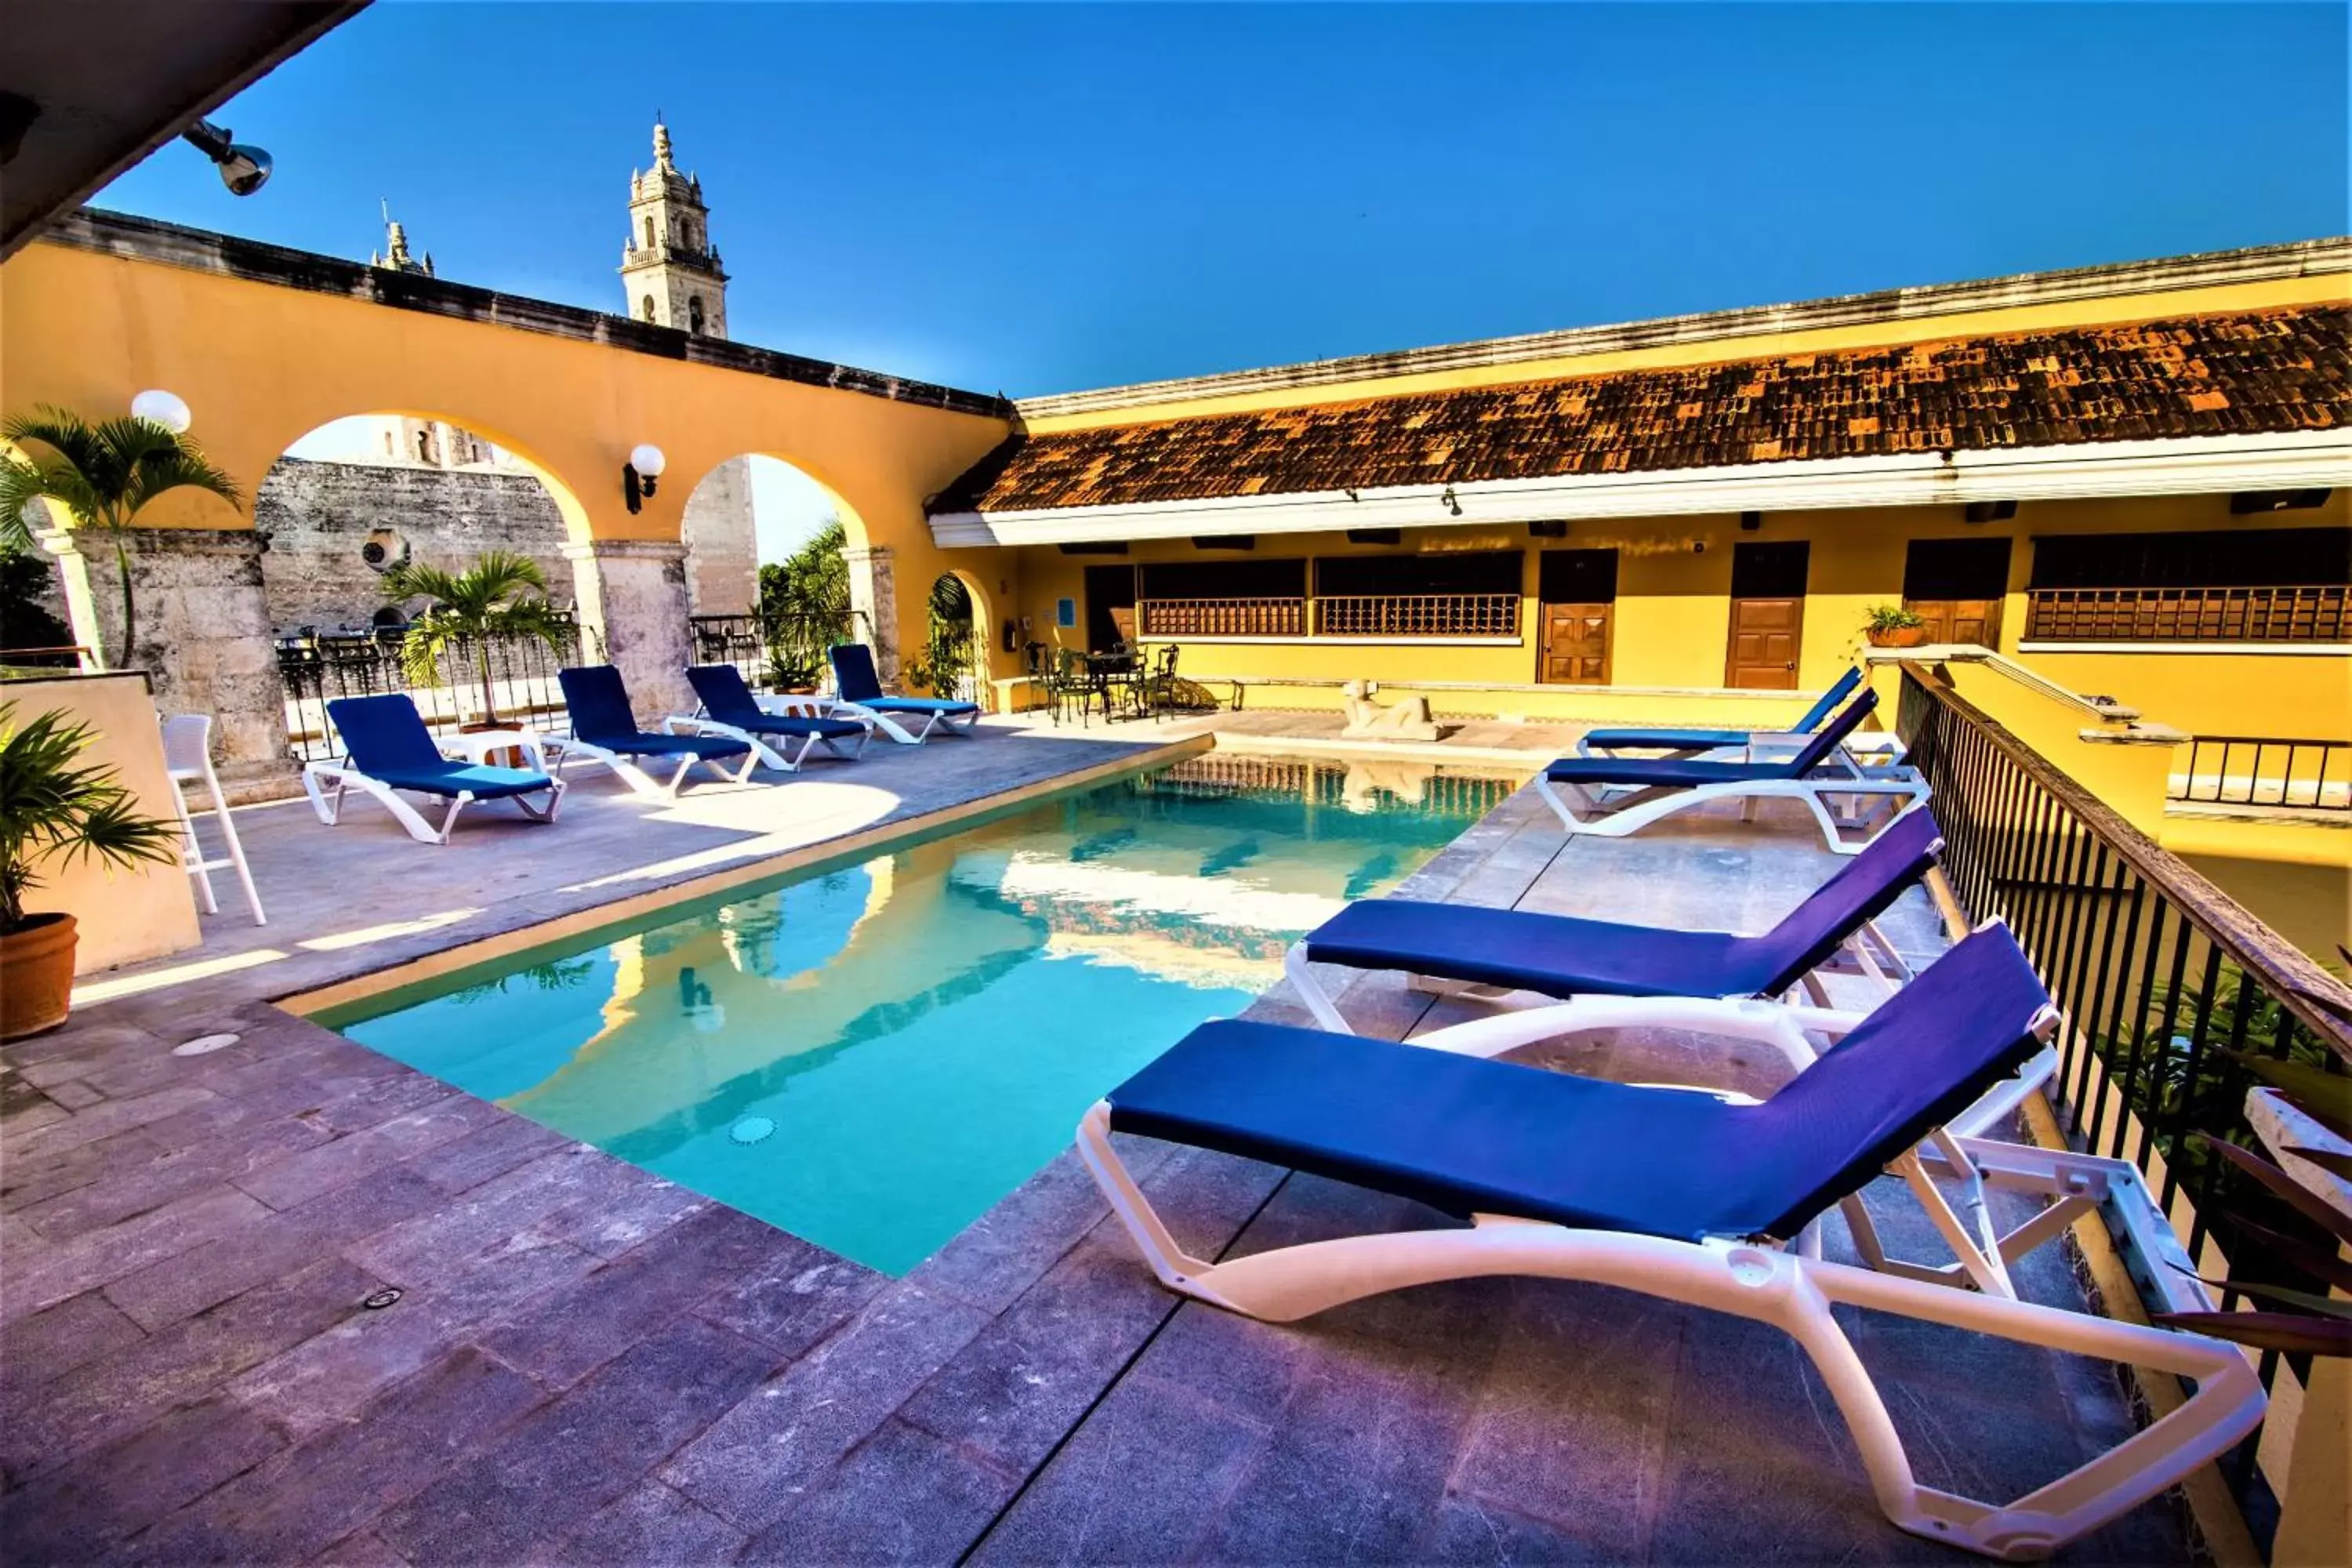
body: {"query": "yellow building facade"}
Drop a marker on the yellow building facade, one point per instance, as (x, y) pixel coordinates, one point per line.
(1983, 534)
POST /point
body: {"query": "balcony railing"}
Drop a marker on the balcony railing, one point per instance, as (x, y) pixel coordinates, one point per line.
(2167, 985)
(2189, 614)
(1221, 617)
(1338, 615)
(2249, 770)
(1418, 616)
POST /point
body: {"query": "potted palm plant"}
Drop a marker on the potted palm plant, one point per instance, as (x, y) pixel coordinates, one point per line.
(103, 474)
(1892, 626)
(501, 597)
(52, 809)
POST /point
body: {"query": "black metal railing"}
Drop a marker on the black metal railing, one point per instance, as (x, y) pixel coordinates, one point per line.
(741, 640)
(512, 677)
(2168, 986)
(2254, 770)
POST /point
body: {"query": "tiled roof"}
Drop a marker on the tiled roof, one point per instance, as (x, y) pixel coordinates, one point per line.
(2206, 375)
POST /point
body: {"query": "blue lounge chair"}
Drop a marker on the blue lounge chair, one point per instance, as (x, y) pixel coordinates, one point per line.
(1613, 797)
(604, 729)
(862, 696)
(387, 750)
(1556, 955)
(728, 709)
(1691, 1197)
(1692, 742)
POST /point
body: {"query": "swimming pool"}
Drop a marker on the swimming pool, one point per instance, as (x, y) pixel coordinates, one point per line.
(870, 1056)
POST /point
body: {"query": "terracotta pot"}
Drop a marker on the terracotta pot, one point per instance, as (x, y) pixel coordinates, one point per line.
(1899, 636)
(37, 972)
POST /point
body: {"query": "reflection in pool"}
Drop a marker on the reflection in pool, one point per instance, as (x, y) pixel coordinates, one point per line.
(871, 1055)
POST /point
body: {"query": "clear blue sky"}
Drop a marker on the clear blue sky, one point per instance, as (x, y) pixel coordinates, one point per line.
(1048, 198)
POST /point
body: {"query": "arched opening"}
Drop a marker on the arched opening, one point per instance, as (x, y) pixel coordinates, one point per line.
(376, 525)
(646, 309)
(767, 584)
(955, 658)
(649, 231)
(694, 313)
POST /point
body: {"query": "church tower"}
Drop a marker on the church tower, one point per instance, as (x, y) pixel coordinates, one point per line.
(670, 268)
(670, 273)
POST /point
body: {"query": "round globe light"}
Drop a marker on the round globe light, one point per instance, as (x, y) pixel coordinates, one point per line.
(648, 461)
(164, 408)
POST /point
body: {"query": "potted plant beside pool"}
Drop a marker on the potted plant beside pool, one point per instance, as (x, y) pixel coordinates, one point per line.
(1891, 625)
(54, 810)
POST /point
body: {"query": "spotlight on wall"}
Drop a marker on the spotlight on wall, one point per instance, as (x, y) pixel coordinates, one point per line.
(1988, 511)
(1750, 521)
(243, 169)
(2246, 502)
(1549, 527)
(159, 407)
(637, 474)
(1450, 504)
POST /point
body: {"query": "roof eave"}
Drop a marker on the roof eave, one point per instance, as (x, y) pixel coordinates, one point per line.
(2190, 466)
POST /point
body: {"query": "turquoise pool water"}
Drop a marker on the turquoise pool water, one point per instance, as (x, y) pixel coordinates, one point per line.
(871, 1055)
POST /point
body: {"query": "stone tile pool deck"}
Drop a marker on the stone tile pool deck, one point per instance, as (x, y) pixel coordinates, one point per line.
(585, 1364)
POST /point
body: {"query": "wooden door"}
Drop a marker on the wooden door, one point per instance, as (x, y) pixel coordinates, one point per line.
(1765, 637)
(1110, 591)
(1974, 621)
(1767, 615)
(1576, 644)
(1956, 586)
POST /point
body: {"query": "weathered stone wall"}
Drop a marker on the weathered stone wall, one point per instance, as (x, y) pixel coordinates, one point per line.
(722, 557)
(319, 516)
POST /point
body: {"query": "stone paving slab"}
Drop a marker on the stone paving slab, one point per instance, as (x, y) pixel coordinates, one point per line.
(586, 1364)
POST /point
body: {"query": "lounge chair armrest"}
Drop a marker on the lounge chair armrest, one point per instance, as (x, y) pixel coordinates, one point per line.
(797, 705)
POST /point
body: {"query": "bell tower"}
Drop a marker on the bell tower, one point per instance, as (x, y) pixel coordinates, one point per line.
(670, 268)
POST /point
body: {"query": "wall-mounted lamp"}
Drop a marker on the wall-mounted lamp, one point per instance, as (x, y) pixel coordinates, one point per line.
(1353, 496)
(159, 407)
(243, 169)
(1549, 527)
(1450, 504)
(1988, 511)
(1750, 521)
(637, 474)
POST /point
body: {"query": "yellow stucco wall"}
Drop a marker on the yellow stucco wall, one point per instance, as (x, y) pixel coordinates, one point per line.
(261, 364)
(123, 916)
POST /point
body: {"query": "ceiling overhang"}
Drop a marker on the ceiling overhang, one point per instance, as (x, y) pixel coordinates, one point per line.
(2203, 465)
(94, 86)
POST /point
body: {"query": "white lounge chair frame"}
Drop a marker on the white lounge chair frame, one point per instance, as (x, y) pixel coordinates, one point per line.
(568, 746)
(1794, 1290)
(1880, 746)
(1614, 811)
(1865, 952)
(873, 717)
(326, 783)
(766, 748)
